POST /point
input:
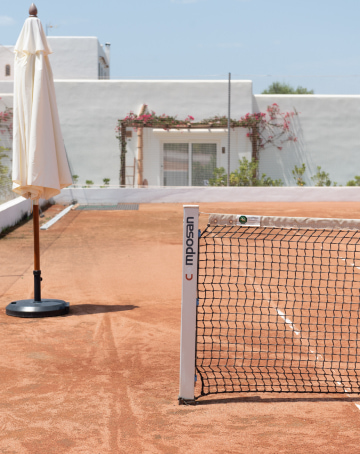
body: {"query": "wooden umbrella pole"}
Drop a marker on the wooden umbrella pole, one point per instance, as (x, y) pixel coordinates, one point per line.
(37, 272)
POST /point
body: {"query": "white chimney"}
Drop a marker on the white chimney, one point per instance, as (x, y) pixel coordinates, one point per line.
(107, 52)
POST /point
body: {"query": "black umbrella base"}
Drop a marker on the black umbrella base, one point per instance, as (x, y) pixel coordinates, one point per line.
(32, 309)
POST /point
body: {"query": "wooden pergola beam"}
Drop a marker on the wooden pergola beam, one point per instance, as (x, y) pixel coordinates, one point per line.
(179, 126)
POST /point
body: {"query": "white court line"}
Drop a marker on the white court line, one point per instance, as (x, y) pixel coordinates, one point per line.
(351, 264)
(287, 320)
(56, 218)
(290, 323)
(339, 383)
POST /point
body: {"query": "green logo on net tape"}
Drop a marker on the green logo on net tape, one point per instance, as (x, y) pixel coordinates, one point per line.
(243, 219)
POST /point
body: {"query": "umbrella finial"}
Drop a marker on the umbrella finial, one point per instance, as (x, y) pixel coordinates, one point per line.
(33, 10)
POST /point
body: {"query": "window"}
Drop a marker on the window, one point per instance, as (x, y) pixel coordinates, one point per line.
(189, 164)
(7, 70)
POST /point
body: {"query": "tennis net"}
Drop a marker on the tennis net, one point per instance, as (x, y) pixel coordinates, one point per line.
(278, 303)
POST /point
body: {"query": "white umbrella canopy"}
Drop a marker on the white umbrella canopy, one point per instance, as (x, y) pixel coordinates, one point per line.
(40, 166)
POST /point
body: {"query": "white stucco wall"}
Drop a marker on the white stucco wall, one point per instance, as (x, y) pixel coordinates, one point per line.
(6, 90)
(6, 58)
(89, 111)
(75, 57)
(326, 127)
(328, 133)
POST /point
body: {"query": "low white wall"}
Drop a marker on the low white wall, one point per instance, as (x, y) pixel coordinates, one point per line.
(94, 196)
(13, 211)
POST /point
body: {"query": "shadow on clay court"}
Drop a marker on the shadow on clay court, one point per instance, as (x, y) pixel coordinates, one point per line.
(274, 399)
(88, 309)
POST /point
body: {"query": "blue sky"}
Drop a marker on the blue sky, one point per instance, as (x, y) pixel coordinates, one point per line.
(313, 43)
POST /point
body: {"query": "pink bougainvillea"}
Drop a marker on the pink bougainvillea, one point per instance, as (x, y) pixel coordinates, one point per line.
(270, 128)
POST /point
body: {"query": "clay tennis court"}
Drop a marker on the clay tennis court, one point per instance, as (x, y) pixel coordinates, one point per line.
(105, 378)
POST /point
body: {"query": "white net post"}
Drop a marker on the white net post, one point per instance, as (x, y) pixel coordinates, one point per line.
(188, 303)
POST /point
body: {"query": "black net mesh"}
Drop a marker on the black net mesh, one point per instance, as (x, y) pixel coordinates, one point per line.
(278, 310)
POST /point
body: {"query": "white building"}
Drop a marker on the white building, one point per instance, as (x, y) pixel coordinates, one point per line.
(326, 128)
(6, 63)
(73, 57)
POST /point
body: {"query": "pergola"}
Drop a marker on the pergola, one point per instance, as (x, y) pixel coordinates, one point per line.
(167, 123)
(272, 127)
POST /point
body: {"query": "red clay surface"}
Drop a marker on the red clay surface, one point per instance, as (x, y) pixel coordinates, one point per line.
(104, 379)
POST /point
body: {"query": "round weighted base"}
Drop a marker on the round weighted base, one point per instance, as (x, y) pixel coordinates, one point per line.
(32, 309)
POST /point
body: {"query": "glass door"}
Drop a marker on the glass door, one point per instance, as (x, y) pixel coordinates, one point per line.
(189, 164)
(176, 164)
(203, 163)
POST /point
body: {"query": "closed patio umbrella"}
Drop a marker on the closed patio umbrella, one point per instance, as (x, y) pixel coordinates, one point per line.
(40, 166)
